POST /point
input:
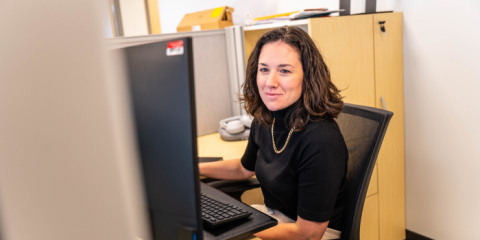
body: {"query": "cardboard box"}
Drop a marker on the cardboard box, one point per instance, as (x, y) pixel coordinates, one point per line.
(216, 18)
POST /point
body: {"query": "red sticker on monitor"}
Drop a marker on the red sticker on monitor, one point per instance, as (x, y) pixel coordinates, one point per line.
(175, 48)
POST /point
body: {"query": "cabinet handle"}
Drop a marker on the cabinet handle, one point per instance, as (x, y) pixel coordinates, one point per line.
(383, 103)
(382, 27)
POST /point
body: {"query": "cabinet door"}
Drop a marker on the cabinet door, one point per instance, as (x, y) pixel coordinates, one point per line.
(369, 224)
(250, 40)
(346, 44)
(391, 164)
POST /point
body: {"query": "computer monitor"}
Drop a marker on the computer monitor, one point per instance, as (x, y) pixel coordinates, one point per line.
(163, 102)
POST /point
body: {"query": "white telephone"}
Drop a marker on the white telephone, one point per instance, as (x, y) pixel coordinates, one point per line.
(235, 128)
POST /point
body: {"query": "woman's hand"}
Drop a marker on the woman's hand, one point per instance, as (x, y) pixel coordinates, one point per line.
(228, 170)
(302, 229)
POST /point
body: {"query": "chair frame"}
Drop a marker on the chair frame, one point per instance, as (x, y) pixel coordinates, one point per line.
(351, 227)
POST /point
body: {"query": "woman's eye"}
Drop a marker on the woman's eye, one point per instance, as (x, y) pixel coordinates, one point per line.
(263, 70)
(284, 71)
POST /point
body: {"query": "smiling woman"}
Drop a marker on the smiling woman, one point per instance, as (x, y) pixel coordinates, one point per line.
(301, 174)
(295, 148)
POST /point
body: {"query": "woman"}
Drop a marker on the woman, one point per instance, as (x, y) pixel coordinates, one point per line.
(295, 147)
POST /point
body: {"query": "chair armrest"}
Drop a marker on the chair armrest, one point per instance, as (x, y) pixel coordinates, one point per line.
(228, 186)
(234, 188)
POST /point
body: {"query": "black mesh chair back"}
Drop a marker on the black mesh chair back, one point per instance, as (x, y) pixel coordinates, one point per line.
(363, 129)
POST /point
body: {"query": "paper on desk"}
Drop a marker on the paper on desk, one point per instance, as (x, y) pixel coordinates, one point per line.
(305, 13)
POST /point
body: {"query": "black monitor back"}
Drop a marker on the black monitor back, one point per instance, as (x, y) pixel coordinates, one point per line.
(163, 102)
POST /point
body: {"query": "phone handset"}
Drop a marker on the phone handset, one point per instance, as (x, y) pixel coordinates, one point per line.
(235, 128)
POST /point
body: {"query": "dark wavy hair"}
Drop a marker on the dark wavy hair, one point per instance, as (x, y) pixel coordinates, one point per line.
(320, 98)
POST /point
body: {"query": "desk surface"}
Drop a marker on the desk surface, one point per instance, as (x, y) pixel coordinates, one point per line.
(212, 145)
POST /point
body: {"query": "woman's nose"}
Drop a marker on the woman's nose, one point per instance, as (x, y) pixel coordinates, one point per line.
(272, 80)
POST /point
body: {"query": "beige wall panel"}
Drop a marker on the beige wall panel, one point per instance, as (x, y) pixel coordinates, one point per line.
(391, 160)
(346, 44)
(369, 226)
(212, 89)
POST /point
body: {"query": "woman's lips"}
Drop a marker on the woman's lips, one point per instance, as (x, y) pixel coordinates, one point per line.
(273, 95)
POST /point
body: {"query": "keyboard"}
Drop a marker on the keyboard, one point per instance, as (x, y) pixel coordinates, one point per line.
(216, 212)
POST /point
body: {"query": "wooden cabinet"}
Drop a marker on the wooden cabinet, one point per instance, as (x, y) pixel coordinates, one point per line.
(391, 159)
(367, 65)
(369, 228)
(346, 44)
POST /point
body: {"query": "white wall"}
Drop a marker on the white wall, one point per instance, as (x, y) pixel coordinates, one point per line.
(442, 116)
(172, 12)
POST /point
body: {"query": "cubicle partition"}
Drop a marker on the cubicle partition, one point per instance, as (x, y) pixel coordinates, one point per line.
(236, 63)
(218, 69)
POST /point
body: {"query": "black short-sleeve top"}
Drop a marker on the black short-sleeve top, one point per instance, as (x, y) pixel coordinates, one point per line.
(308, 178)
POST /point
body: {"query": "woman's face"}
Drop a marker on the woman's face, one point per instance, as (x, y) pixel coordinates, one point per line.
(279, 75)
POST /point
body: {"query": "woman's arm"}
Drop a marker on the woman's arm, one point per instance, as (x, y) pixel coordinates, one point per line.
(302, 229)
(228, 170)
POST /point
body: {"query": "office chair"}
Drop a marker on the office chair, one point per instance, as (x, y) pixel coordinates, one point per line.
(363, 129)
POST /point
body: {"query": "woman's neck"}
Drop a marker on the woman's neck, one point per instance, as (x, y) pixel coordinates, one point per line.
(280, 116)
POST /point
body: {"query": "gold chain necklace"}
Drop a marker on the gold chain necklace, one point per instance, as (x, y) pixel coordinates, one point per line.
(273, 139)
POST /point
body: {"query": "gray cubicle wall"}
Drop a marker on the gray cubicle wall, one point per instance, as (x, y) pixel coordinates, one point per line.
(212, 88)
(214, 92)
(236, 63)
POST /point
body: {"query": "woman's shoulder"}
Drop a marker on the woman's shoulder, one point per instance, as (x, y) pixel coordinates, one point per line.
(323, 137)
(326, 130)
(322, 125)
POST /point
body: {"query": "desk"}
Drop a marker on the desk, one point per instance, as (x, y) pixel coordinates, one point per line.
(212, 145)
